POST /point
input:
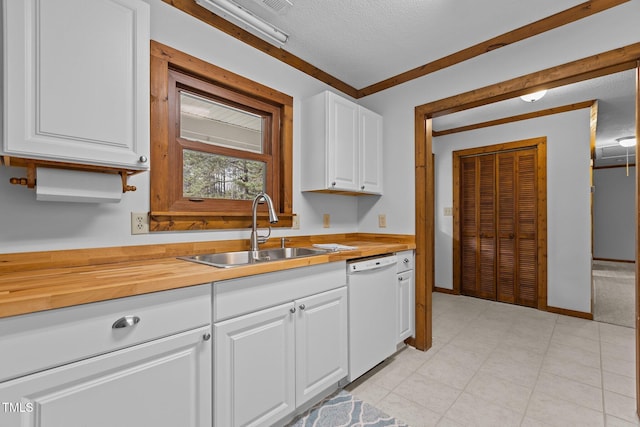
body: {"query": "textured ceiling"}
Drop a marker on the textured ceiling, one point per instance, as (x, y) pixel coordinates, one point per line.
(362, 42)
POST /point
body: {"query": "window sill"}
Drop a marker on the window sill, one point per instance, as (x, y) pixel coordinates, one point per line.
(183, 221)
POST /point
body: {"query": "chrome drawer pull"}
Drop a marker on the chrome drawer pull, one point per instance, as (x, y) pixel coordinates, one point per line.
(125, 322)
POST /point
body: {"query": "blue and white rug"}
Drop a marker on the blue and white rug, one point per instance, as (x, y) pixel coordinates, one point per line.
(344, 410)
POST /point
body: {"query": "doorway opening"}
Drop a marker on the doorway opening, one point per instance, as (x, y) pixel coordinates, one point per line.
(613, 266)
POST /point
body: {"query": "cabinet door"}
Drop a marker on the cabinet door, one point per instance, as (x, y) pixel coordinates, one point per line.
(321, 343)
(77, 81)
(370, 152)
(166, 382)
(254, 368)
(342, 140)
(406, 305)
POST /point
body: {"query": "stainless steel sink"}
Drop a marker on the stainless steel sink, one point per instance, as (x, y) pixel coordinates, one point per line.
(232, 259)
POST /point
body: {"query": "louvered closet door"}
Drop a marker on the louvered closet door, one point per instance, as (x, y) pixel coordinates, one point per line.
(506, 227)
(487, 227)
(478, 276)
(469, 226)
(526, 240)
(498, 227)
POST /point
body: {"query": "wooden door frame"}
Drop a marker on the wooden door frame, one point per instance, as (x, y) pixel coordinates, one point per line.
(540, 145)
(606, 63)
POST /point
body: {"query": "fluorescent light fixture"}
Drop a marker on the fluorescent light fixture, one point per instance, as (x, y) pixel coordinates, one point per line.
(627, 141)
(533, 97)
(242, 17)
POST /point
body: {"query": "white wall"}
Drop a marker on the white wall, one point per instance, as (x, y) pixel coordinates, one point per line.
(568, 201)
(614, 214)
(27, 225)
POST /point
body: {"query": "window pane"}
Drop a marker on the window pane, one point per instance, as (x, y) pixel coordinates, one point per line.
(212, 176)
(207, 121)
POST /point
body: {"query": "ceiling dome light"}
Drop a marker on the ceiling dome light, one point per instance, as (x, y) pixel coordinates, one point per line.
(533, 97)
(627, 141)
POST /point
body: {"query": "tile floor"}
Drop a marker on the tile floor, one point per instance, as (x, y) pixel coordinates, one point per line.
(496, 364)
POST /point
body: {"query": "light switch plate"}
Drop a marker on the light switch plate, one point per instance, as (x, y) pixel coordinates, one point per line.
(382, 221)
(448, 211)
(295, 224)
(326, 220)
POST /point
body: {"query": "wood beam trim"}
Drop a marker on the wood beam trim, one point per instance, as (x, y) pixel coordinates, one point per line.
(593, 126)
(637, 243)
(599, 65)
(567, 16)
(191, 8)
(532, 115)
(424, 249)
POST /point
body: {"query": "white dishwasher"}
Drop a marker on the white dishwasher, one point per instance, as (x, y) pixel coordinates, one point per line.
(372, 312)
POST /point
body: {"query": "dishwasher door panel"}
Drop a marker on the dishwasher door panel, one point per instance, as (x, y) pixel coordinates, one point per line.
(372, 318)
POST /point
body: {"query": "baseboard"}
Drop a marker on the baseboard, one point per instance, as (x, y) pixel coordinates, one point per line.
(444, 290)
(572, 313)
(614, 260)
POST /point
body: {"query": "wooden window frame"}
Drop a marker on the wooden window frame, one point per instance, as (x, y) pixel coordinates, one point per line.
(171, 71)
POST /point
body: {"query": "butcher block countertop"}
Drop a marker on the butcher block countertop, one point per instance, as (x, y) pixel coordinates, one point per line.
(40, 281)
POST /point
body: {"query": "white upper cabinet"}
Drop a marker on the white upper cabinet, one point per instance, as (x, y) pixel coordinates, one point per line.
(76, 81)
(342, 146)
(370, 165)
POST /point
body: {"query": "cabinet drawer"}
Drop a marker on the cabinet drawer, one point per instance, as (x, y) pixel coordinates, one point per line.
(405, 261)
(39, 341)
(247, 294)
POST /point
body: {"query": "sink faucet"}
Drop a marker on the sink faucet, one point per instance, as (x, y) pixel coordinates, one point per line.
(273, 218)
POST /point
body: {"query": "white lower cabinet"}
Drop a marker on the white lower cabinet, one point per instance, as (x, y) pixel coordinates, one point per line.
(269, 362)
(406, 305)
(254, 368)
(163, 379)
(321, 343)
(152, 384)
(405, 296)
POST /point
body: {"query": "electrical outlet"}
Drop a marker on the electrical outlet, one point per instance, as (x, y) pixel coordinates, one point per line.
(139, 223)
(295, 223)
(326, 220)
(448, 211)
(382, 221)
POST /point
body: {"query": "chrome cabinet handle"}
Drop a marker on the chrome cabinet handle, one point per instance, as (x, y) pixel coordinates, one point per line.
(143, 159)
(206, 337)
(401, 278)
(292, 310)
(125, 322)
(302, 306)
(406, 260)
(333, 184)
(362, 188)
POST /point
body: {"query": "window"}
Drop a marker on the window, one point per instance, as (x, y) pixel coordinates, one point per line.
(217, 140)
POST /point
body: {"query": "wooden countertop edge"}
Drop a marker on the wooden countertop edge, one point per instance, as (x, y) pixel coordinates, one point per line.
(24, 292)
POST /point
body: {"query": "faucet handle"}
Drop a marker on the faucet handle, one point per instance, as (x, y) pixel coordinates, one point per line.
(283, 241)
(263, 239)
